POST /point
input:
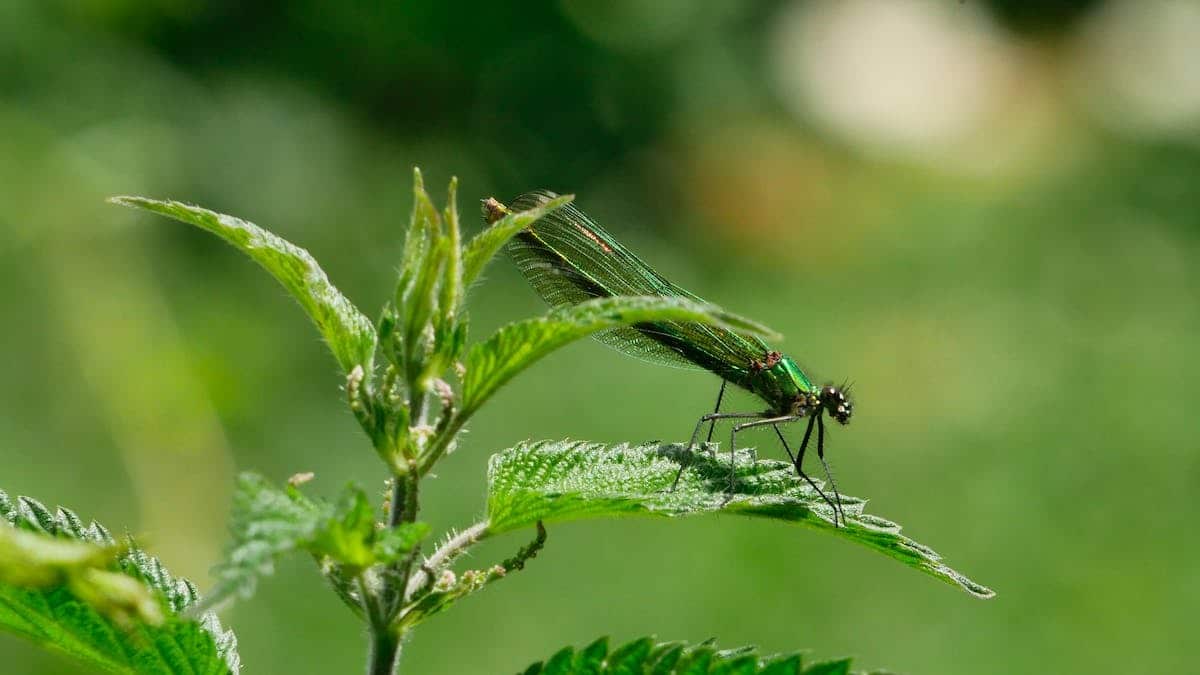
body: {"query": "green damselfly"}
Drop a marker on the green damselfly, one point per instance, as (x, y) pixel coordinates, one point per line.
(568, 258)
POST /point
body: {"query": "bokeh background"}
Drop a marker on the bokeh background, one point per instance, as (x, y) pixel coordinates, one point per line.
(984, 213)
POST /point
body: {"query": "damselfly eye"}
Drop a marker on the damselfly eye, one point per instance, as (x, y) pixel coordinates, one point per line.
(836, 403)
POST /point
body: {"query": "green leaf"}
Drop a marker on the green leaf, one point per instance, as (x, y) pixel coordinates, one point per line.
(571, 480)
(665, 656)
(422, 230)
(484, 246)
(349, 334)
(560, 662)
(71, 587)
(269, 522)
(426, 253)
(393, 543)
(835, 667)
(346, 532)
(647, 655)
(452, 284)
(519, 345)
(787, 665)
(450, 327)
(28, 559)
(630, 659)
(590, 661)
(419, 301)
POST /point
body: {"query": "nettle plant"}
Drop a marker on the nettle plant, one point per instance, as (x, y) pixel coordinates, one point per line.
(412, 384)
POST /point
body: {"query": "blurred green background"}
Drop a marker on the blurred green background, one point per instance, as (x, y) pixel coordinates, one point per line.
(984, 214)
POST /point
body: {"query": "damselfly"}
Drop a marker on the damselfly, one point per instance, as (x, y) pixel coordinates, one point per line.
(568, 258)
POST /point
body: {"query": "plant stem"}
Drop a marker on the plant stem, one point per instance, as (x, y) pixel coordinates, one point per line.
(384, 654)
(527, 553)
(448, 552)
(385, 651)
(443, 440)
(397, 586)
(399, 501)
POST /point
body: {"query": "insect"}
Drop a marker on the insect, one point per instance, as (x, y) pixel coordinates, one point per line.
(568, 258)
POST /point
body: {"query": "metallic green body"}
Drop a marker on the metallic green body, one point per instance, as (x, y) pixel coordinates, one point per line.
(782, 386)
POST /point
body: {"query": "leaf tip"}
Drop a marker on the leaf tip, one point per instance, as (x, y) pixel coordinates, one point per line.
(978, 590)
(559, 202)
(131, 201)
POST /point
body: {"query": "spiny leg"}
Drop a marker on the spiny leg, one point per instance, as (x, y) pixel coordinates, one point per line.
(786, 447)
(800, 471)
(749, 425)
(711, 417)
(716, 409)
(821, 456)
(804, 443)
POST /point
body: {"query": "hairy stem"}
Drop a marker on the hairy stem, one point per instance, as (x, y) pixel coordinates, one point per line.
(386, 600)
(384, 649)
(453, 548)
(398, 501)
(441, 443)
(385, 652)
(402, 570)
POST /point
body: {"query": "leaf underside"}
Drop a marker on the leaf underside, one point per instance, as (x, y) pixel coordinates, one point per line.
(484, 246)
(648, 655)
(54, 617)
(492, 363)
(269, 522)
(349, 334)
(569, 480)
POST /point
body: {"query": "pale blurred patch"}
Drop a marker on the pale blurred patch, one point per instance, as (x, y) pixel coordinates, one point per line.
(912, 80)
(121, 342)
(756, 182)
(135, 364)
(1138, 66)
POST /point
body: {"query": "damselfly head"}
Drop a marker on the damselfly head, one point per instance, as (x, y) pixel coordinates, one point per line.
(836, 403)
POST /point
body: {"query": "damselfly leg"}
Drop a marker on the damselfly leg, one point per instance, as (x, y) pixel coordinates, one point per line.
(759, 419)
(763, 421)
(828, 474)
(711, 417)
(716, 409)
(799, 461)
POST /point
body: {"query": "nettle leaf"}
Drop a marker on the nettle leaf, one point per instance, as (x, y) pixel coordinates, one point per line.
(651, 657)
(452, 283)
(571, 480)
(519, 345)
(484, 246)
(349, 334)
(425, 331)
(269, 522)
(393, 543)
(71, 587)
